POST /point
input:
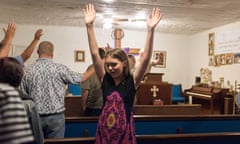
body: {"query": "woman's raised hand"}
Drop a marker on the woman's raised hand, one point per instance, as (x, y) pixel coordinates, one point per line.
(154, 17)
(89, 14)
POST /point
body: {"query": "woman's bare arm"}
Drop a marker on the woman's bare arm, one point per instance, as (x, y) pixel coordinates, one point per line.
(90, 15)
(152, 20)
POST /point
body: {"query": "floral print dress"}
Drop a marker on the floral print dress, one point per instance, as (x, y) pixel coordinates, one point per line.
(116, 123)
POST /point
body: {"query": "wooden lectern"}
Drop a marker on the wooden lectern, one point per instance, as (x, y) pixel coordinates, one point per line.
(152, 77)
(152, 88)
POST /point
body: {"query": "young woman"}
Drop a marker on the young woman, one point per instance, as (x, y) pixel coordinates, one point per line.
(116, 124)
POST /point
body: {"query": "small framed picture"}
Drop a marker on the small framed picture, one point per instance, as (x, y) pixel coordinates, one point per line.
(211, 44)
(229, 58)
(237, 58)
(223, 59)
(162, 56)
(79, 56)
(217, 60)
(211, 61)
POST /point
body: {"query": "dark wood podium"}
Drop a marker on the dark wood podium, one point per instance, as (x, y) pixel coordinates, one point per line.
(152, 88)
(152, 77)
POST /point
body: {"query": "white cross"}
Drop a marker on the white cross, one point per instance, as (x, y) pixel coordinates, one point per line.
(154, 89)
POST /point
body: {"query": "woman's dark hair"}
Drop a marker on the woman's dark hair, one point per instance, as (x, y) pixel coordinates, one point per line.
(11, 71)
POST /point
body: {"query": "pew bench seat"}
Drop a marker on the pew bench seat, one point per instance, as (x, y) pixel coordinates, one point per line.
(206, 138)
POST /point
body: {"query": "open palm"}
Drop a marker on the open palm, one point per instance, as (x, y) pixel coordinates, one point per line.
(154, 17)
(89, 14)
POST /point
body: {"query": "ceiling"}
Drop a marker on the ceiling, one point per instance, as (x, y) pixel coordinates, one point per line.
(179, 16)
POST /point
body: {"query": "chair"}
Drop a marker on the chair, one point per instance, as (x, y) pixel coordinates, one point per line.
(177, 95)
(75, 90)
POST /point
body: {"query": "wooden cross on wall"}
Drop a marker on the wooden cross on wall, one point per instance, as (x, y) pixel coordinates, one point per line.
(117, 35)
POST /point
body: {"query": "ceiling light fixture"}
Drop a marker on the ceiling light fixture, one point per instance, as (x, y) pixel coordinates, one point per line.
(107, 24)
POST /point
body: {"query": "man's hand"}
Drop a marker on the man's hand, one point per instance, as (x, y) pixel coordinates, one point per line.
(38, 34)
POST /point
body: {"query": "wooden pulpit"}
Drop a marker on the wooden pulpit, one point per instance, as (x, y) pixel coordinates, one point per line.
(152, 88)
(152, 77)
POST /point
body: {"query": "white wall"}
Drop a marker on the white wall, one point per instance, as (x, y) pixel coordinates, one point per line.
(199, 58)
(68, 39)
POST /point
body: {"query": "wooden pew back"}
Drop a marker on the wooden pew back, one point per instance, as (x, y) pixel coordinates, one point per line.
(181, 109)
(74, 108)
(206, 138)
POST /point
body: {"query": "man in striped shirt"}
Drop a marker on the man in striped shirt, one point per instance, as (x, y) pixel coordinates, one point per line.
(15, 127)
(14, 123)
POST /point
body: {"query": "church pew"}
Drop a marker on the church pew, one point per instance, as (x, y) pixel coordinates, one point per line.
(206, 138)
(74, 108)
(200, 138)
(179, 109)
(161, 124)
(76, 140)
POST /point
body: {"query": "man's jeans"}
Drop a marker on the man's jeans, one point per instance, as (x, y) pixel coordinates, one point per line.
(53, 125)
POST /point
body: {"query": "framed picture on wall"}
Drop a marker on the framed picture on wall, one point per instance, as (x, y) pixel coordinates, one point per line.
(161, 55)
(229, 58)
(211, 61)
(217, 60)
(79, 56)
(211, 43)
(237, 58)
